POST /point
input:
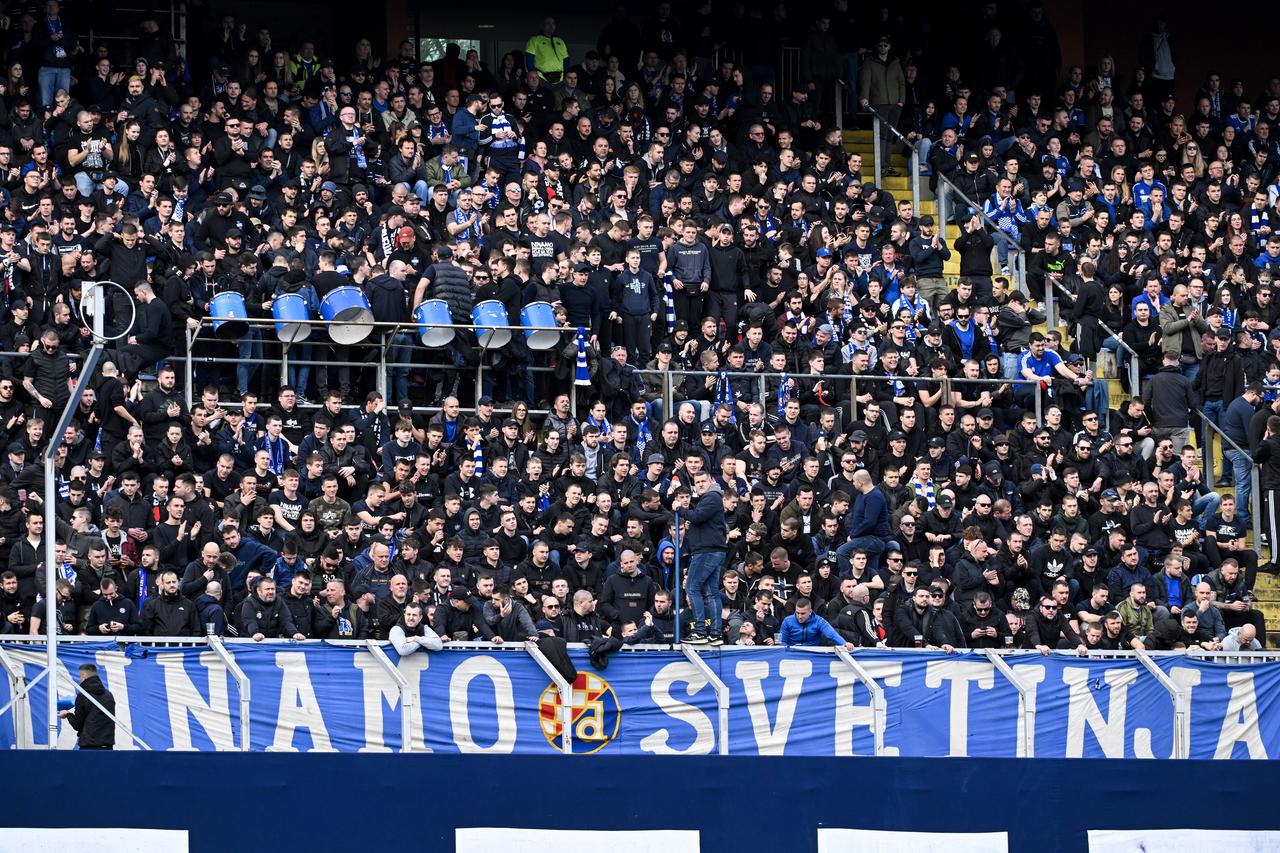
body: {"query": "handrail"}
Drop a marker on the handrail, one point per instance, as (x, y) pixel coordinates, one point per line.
(1255, 490)
(242, 686)
(1135, 369)
(1018, 259)
(876, 121)
(722, 693)
(1027, 745)
(879, 707)
(406, 693)
(563, 687)
(110, 716)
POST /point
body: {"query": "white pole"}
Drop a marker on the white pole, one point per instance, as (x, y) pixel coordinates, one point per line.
(50, 524)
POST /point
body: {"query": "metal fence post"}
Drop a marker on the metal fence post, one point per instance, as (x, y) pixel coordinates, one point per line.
(406, 694)
(1206, 448)
(722, 695)
(876, 146)
(284, 365)
(915, 178)
(1181, 706)
(242, 686)
(188, 376)
(1255, 511)
(1027, 707)
(879, 708)
(1039, 395)
(563, 687)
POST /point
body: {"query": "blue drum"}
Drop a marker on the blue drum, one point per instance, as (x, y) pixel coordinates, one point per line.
(290, 311)
(486, 316)
(434, 320)
(539, 314)
(351, 318)
(230, 316)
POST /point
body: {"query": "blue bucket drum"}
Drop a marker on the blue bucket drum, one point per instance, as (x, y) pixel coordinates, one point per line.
(230, 316)
(537, 314)
(486, 316)
(434, 322)
(290, 311)
(349, 315)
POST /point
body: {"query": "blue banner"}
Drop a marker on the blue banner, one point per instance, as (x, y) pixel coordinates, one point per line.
(317, 697)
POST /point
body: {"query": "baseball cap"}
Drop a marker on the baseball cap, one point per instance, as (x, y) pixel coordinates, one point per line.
(330, 186)
(926, 220)
(945, 502)
(485, 401)
(582, 268)
(992, 467)
(1090, 552)
(1111, 495)
(459, 594)
(858, 435)
(16, 447)
(824, 252)
(1037, 469)
(708, 428)
(937, 441)
(984, 414)
(897, 435)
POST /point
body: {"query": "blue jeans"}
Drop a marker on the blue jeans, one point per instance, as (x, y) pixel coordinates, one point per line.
(1242, 472)
(1098, 399)
(1003, 242)
(399, 357)
(86, 186)
(1190, 371)
(1205, 506)
(250, 347)
(1009, 364)
(701, 587)
(873, 545)
(50, 80)
(299, 374)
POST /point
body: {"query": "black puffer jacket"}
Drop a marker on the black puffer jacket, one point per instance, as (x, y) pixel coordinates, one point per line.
(449, 282)
(95, 728)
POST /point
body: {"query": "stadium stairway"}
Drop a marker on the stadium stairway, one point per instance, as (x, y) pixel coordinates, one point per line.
(860, 142)
(1267, 588)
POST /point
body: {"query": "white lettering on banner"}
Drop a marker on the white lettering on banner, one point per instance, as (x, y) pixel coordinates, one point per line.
(1029, 677)
(1240, 722)
(485, 666)
(959, 673)
(691, 715)
(298, 706)
(850, 716)
(113, 666)
(33, 660)
(183, 701)
(772, 739)
(1082, 710)
(378, 689)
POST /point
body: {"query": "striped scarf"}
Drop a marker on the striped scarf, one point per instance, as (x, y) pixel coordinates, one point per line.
(925, 490)
(724, 394)
(643, 436)
(669, 301)
(477, 452)
(784, 393)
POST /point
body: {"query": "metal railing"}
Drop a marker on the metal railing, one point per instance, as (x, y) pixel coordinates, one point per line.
(1017, 258)
(877, 122)
(1134, 366)
(1255, 492)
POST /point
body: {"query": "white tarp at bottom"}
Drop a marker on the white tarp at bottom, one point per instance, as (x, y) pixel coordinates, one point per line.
(505, 840)
(836, 840)
(1183, 841)
(22, 840)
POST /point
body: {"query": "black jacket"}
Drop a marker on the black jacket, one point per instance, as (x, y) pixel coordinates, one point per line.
(626, 597)
(169, 617)
(269, 619)
(95, 728)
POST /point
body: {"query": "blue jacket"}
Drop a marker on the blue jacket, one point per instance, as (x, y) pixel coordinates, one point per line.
(870, 515)
(1235, 423)
(465, 136)
(811, 633)
(706, 523)
(251, 555)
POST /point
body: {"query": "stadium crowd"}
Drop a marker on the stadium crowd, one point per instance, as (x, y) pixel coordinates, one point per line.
(851, 452)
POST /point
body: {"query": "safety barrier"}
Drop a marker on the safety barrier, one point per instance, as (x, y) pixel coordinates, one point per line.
(206, 694)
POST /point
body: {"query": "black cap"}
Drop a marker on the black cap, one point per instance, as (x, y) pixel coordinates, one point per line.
(708, 428)
(897, 435)
(926, 220)
(665, 347)
(985, 413)
(485, 401)
(511, 422)
(232, 233)
(444, 253)
(992, 467)
(459, 593)
(858, 435)
(1090, 552)
(945, 501)
(937, 441)
(582, 268)
(16, 448)
(1001, 439)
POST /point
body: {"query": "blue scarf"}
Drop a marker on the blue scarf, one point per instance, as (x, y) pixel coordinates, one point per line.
(724, 394)
(477, 453)
(784, 393)
(279, 453)
(643, 436)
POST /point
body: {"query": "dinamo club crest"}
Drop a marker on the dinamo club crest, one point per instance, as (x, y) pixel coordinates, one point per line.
(596, 714)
